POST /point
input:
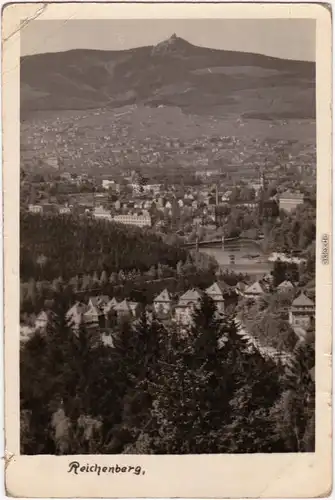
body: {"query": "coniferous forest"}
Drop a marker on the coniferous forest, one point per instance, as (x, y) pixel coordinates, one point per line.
(157, 391)
(54, 246)
(168, 244)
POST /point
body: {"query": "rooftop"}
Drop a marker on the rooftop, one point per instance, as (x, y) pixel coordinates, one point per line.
(254, 288)
(291, 195)
(164, 296)
(215, 289)
(122, 306)
(99, 301)
(192, 295)
(302, 301)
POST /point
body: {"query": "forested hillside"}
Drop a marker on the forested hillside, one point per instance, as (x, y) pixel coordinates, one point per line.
(156, 391)
(173, 73)
(53, 247)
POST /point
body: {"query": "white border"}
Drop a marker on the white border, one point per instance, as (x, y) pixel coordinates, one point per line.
(284, 475)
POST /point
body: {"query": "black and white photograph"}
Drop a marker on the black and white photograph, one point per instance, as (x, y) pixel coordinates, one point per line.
(167, 236)
(172, 248)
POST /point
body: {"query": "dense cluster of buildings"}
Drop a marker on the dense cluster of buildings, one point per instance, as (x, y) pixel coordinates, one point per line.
(289, 200)
(146, 204)
(104, 138)
(105, 312)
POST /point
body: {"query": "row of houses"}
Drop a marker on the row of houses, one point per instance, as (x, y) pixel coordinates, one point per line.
(103, 311)
(95, 313)
(259, 288)
(302, 310)
(300, 314)
(99, 310)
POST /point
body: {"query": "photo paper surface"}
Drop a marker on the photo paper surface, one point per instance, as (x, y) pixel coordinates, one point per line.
(167, 250)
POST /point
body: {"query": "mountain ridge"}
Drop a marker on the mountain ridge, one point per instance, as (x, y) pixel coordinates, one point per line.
(173, 36)
(173, 72)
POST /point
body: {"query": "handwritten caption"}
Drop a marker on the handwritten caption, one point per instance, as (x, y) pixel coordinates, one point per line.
(78, 468)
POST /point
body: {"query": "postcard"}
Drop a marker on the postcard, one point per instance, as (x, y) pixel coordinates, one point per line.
(167, 173)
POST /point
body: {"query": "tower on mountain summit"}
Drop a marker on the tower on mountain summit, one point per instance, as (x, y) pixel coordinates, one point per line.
(173, 44)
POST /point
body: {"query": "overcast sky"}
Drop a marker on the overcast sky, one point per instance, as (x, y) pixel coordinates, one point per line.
(284, 38)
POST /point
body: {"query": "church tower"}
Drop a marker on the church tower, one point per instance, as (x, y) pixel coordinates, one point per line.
(262, 180)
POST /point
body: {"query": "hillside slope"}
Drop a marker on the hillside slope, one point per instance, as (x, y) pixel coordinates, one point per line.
(173, 73)
(52, 246)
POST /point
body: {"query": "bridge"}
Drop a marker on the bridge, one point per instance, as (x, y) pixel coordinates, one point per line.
(219, 242)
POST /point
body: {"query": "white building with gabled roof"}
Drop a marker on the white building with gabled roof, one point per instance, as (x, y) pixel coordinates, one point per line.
(42, 320)
(99, 301)
(75, 315)
(92, 316)
(163, 303)
(215, 292)
(302, 311)
(254, 291)
(187, 305)
(126, 309)
(192, 295)
(122, 308)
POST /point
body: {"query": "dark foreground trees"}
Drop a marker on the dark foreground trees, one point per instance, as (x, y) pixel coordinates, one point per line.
(163, 390)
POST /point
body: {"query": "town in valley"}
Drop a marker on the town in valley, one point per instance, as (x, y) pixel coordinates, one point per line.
(167, 252)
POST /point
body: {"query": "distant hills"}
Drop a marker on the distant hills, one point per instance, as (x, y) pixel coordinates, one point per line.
(172, 73)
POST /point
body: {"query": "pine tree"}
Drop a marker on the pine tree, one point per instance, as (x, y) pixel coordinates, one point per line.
(103, 278)
(137, 351)
(86, 282)
(113, 278)
(74, 282)
(159, 271)
(88, 435)
(208, 388)
(95, 279)
(179, 268)
(32, 291)
(61, 426)
(152, 274)
(295, 411)
(35, 395)
(66, 376)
